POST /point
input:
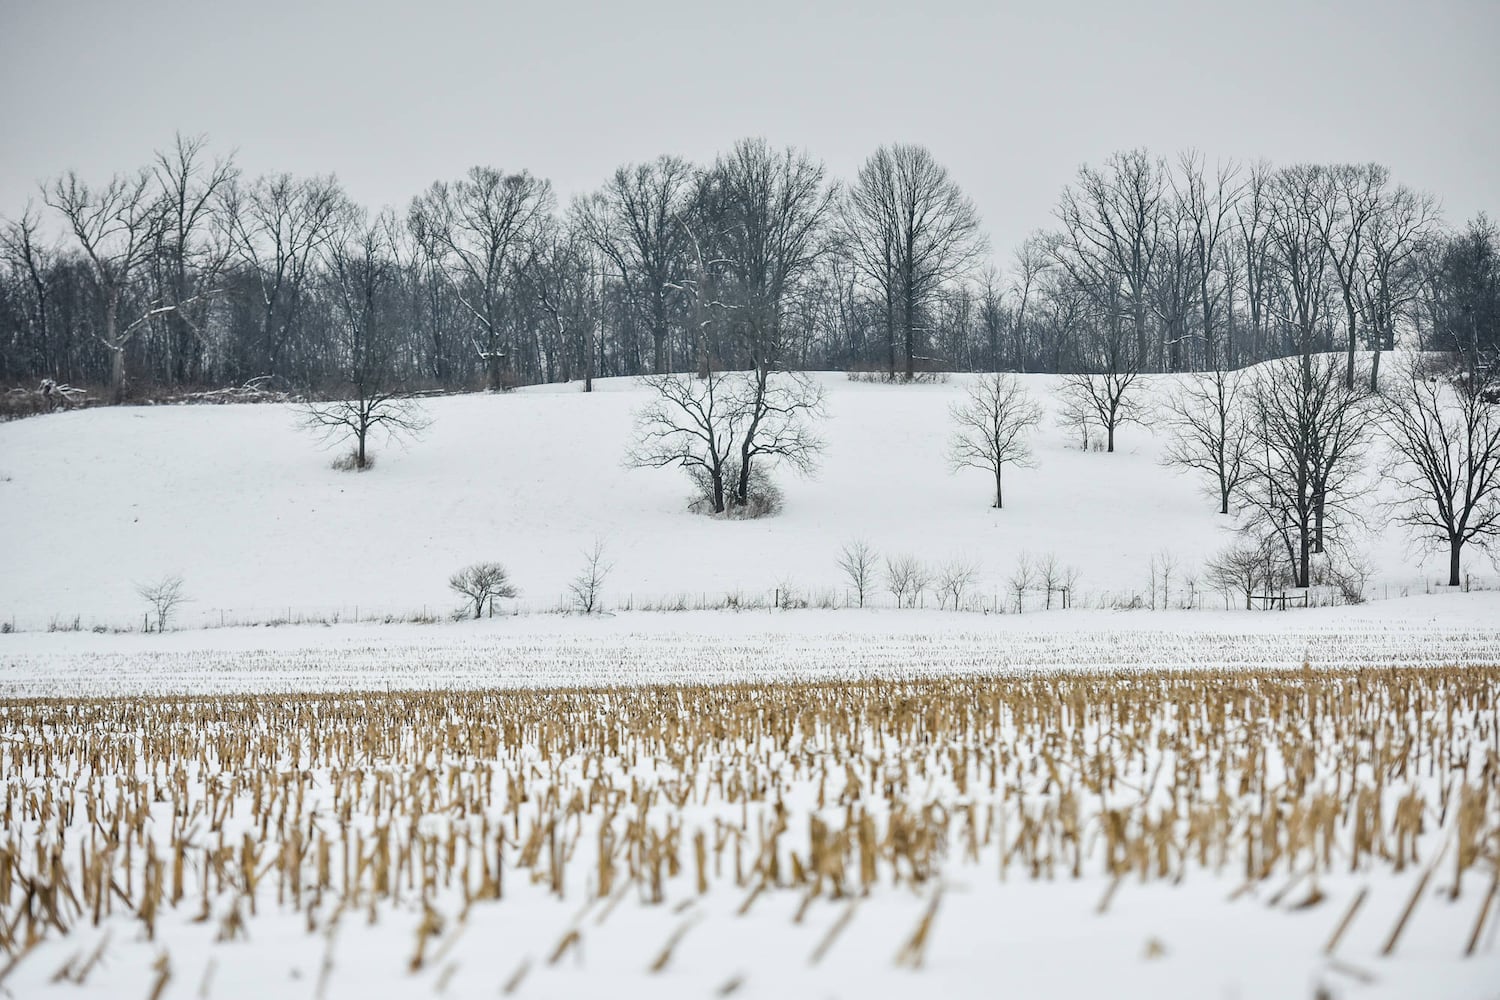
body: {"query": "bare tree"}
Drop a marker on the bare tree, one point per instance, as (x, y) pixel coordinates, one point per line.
(22, 246)
(164, 596)
(1353, 196)
(483, 583)
(587, 586)
(1207, 418)
(278, 226)
(361, 270)
(1050, 574)
(1401, 229)
(635, 223)
(909, 229)
(1444, 459)
(994, 425)
(1308, 434)
(953, 579)
(1105, 396)
(117, 227)
(194, 246)
(905, 578)
(1247, 567)
(478, 228)
(1020, 580)
(1111, 234)
(857, 560)
(694, 424)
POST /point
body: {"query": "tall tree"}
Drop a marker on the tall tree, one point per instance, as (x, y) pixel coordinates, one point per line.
(117, 228)
(478, 229)
(194, 246)
(636, 223)
(909, 229)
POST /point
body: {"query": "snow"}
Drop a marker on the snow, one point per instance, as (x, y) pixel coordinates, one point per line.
(248, 510)
(718, 646)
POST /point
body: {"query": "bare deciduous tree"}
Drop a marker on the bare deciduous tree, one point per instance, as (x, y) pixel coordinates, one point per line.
(905, 578)
(953, 579)
(164, 596)
(361, 270)
(1206, 415)
(1308, 432)
(910, 229)
(994, 425)
(1247, 567)
(857, 560)
(588, 585)
(483, 583)
(477, 229)
(1444, 459)
(1104, 396)
(117, 228)
(692, 423)
(1020, 580)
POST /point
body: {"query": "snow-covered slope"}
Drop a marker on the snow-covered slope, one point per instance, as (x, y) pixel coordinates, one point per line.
(246, 507)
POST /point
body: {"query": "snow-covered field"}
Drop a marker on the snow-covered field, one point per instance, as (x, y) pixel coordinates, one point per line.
(722, 647)
(761, 803)
(1229, 834)
(247, 509)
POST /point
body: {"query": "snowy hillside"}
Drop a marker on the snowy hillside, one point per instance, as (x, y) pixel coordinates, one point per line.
(246, 507)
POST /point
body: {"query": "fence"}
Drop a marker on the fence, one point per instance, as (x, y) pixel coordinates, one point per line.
(195, 615)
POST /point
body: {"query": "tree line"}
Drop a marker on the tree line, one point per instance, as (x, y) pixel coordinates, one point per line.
(185, 273)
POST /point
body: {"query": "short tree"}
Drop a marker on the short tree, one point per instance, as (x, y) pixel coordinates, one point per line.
(1020, 581)
(588, 584)
(164, 595)
(1247, 567)
(993, 426)
(857, 560)
(905, 578)
(1106, 397)
(482, 583)
(953, 579)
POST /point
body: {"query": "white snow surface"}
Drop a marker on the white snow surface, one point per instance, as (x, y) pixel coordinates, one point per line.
(718, 646)
(246, 507)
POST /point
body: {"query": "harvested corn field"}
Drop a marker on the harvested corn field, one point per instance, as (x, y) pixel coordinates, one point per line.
(1213, 833)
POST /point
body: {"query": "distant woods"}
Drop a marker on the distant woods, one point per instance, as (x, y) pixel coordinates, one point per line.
(185, 274)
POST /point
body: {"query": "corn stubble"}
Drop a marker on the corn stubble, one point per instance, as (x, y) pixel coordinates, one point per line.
(228, 808)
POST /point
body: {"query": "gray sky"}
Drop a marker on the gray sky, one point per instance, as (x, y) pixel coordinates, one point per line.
(1012, 97)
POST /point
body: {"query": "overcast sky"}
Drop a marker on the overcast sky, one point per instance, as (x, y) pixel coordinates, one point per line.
(1012, 97)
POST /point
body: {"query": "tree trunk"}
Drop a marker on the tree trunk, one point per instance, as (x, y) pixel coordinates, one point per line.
(1455, 548)
(1303, 555)
(1110, 430)
(999, 504)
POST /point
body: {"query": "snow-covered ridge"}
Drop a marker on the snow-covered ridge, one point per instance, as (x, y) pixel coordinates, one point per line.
(247, 509)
